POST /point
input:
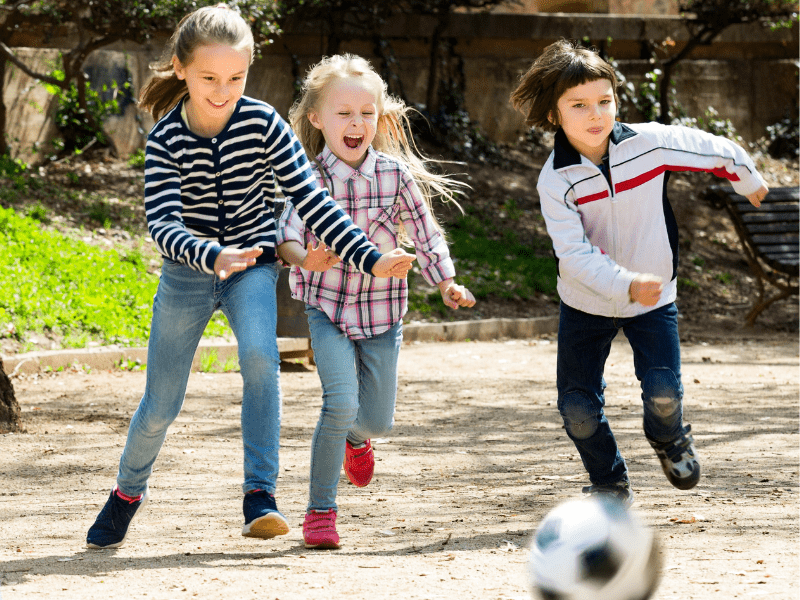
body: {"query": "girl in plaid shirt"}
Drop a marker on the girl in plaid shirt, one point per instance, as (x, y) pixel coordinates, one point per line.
(358, 137)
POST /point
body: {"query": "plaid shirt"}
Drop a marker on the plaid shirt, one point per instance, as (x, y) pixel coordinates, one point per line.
(378, 196)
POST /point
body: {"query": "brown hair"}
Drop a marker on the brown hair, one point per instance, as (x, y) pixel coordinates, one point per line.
(218, 24)
(562, 65)
(393, 136)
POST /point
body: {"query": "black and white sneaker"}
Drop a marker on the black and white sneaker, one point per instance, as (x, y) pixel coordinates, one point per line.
(679, 459)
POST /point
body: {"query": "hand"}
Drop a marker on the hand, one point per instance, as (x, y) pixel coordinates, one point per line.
(454, 295)
(396, 263)
(646, 289)
(231, 260)
(320, 258)
(756, 197)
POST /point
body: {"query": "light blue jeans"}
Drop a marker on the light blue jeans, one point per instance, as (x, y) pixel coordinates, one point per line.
(359, 388)
(183, 305)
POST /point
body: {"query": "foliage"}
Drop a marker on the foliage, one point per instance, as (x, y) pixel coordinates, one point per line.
(783, 138)
(79, 293)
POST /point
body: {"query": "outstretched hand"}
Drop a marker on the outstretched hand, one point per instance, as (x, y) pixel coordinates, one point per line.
(232, 260)
(454, 295)
(396, 263)
(756, 197)
(320, 258)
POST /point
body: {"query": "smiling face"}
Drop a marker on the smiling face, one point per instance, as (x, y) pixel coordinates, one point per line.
(586, 113)
(215, 78)
(348, 119)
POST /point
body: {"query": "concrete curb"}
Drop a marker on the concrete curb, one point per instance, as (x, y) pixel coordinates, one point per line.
(106, 358)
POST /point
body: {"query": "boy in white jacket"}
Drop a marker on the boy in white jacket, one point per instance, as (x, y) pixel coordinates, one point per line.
(603, 197)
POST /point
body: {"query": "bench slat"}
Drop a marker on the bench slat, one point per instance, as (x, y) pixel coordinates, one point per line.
(784, 217)
(766, 228)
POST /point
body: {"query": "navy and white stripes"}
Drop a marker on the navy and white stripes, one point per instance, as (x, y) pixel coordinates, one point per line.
(202, 194)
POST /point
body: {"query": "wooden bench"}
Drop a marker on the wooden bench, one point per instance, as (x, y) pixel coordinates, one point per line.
(769, 236)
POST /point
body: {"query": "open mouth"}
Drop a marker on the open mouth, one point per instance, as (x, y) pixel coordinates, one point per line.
(217, 104)
(353, 141)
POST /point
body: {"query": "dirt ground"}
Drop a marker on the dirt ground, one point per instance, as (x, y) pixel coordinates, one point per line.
(477, 457)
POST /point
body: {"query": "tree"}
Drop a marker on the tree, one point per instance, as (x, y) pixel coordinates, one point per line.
(9, 408)
(706, 19)
(94, 25)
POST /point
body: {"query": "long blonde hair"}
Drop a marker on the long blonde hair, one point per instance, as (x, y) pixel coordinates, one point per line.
(218, 24)
(393, 136)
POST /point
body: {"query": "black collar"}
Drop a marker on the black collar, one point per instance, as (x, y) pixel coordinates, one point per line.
(566, 156)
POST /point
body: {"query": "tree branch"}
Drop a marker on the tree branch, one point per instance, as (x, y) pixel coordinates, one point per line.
(11, 57)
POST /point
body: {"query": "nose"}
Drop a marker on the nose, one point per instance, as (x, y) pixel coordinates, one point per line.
(594, 111)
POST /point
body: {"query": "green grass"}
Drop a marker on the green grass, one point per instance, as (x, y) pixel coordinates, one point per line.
(492, 263)
(71, 291)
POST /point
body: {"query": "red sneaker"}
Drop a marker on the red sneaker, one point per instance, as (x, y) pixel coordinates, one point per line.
(319, 530)
(359, 463)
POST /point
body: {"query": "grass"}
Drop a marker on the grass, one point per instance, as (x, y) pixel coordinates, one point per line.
(492, 263)
(71, 291)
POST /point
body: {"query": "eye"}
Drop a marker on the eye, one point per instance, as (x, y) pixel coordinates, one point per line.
(578, 105)
(606, 101)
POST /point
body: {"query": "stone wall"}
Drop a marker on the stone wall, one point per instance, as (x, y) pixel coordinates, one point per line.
(749, 75)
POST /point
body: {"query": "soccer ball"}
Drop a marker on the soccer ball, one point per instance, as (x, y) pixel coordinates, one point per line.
(593, 549)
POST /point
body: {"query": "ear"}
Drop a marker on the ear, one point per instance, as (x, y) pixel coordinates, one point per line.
(551, 117)
(313, 118)
(179, 69)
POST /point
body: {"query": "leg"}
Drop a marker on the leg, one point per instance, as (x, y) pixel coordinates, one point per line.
(377, 384)
(656, 352)
(584, 342)
(248, 301)
(335, 355)
(182, 307)
(654, 339)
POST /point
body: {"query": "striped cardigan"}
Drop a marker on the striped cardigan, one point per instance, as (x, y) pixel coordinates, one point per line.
(203, 194)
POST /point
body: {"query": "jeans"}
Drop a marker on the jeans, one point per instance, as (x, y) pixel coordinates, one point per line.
(584, 341)
(359, 388)
(183, 305)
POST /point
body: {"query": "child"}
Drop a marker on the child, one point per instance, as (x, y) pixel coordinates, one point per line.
(213, 163)
(364, 153)
(602, 192)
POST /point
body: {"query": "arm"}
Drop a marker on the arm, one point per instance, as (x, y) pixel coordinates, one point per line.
(163, 208)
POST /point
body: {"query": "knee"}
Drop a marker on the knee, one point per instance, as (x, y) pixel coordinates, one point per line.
(581, 416)
(375, 429)
(256, 361)
(662, 391)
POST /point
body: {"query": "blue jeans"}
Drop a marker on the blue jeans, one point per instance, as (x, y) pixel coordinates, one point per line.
(584, 341)
(183, 305)
(359, 388)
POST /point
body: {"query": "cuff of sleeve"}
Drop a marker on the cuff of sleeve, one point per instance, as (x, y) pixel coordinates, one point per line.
(370, 260)
(211, 258)
(623, 285)
(435, 274)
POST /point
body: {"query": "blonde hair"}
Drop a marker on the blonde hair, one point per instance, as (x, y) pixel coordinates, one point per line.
(562, 65)
(393, 136)
(218, 24)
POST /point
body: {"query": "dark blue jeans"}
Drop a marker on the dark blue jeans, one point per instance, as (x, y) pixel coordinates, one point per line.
(584, 341)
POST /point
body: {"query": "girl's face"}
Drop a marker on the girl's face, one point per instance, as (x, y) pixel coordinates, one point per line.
(586, 113)
(215, 78)
(347, 116)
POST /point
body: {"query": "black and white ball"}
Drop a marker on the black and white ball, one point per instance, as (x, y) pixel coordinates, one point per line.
(594, 549)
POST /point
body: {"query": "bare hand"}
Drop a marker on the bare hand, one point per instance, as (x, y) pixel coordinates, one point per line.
(756, 197)
(320, 258)
(232, 260)
(646, 289)
(396, 263)
(454, 295)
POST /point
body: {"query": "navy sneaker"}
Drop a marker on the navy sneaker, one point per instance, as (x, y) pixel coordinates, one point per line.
(262, 519)
(620, 490)
(111, 526)
(679, 459)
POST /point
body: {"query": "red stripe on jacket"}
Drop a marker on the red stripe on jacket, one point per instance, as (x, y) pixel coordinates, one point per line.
(592, 197)
(645, 177)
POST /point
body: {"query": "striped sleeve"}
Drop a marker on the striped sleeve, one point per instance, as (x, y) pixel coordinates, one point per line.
(316, 208)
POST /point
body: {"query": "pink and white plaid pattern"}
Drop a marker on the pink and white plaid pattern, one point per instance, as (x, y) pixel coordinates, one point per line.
(379, 196)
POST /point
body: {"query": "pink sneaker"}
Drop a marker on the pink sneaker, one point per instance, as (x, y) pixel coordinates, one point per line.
(359, 463)
(319, 530)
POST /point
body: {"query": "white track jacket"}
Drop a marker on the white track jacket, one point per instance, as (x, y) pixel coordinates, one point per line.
(605, 235)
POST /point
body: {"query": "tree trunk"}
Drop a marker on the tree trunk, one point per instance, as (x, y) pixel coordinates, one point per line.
(4, 149)
(9, 408)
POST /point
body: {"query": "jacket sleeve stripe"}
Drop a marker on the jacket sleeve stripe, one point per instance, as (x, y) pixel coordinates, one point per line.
(629, 184)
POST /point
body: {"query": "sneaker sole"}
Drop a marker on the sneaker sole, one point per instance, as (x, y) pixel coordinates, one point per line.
(91, 546)
(266, 527)
(322, 546)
